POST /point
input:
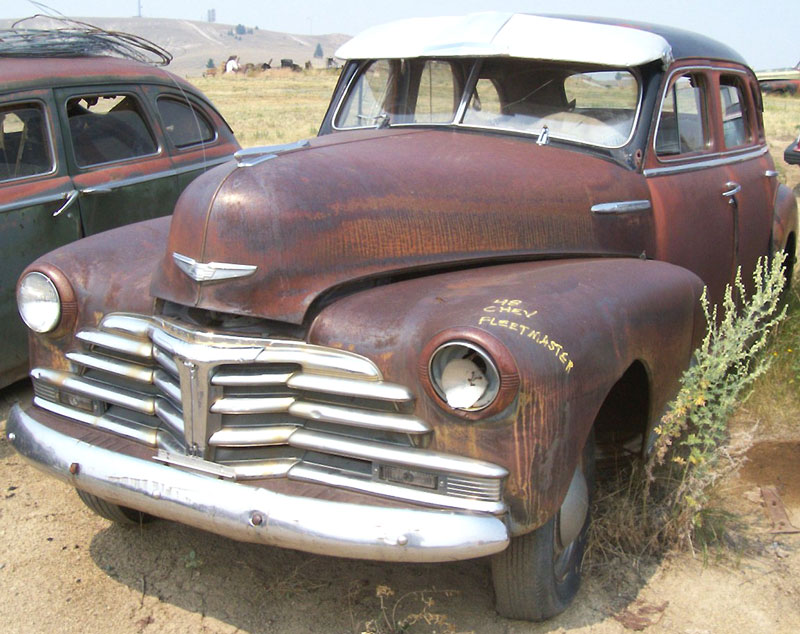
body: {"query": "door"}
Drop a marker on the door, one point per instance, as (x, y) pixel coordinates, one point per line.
(198, 138)
(120, 167)
(752, 175)
(37, 210)
(695, 222)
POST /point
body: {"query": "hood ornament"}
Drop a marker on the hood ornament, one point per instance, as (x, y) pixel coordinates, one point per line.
(211, 271)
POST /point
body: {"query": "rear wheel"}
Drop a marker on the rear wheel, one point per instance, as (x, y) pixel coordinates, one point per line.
(114, 512)
(539, 573)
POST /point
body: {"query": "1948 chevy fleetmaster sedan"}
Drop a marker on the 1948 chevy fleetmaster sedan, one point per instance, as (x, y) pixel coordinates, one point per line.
(403, 340)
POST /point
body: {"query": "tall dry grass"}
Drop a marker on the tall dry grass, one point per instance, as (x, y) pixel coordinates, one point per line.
(277, 106)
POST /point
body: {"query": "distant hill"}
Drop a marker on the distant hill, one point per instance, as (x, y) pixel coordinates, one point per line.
(193, 43)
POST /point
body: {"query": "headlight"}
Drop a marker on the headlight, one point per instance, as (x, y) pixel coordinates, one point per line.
(464, 376)
(38, 302)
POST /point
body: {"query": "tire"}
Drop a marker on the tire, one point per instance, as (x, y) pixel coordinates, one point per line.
(118, 514)
(537, 577)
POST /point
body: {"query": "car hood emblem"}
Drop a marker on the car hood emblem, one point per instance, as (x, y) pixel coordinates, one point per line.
(211, 271)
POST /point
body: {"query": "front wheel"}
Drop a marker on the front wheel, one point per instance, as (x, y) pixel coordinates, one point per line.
(114, 512)
(539, 573)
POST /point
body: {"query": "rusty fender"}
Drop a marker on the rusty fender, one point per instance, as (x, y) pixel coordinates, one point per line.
(563, 332)
(102, 273)
(784, 221)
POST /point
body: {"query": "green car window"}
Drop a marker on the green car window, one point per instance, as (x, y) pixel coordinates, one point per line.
(24, 142)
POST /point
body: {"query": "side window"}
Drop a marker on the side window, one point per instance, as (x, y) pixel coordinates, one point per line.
(24, 142)
(437, 96)
(735, 128)
(106, 128)
(371, 97)
(682, 127)
(184, 124)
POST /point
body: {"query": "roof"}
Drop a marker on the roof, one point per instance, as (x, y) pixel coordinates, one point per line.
(41, 72)
(563, 38)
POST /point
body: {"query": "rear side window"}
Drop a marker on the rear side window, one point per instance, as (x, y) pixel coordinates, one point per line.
(185, 125)
(107, 128)
(24, 142)
(682, 126)
(735, 126)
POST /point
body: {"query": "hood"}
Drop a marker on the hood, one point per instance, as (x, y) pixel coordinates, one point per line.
(354, 206)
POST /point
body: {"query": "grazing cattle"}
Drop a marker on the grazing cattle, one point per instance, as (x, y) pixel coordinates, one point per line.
(232, 65)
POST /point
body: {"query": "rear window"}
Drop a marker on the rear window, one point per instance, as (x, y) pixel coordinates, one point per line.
(107, 128)
(185, 125)
(24, 143)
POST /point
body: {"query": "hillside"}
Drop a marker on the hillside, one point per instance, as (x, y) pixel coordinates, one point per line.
(193, 43)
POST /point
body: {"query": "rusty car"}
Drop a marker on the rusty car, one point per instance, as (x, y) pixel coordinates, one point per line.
(792, 152)
(87, 144)
(408, 338)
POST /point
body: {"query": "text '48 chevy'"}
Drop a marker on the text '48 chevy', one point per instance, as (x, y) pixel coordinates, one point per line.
(403, 340)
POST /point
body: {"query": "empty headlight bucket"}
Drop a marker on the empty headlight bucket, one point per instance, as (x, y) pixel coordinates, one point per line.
(38, 302)
(464, 376)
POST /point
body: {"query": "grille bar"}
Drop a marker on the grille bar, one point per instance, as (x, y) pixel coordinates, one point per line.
(86, 387)
(117, 343)
(349, 387)
(133, 371)
(367, 450)
(321, 475)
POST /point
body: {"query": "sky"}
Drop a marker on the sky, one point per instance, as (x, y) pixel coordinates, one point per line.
(766, 34)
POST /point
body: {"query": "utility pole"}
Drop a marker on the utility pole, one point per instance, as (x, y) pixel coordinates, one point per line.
(139, 2)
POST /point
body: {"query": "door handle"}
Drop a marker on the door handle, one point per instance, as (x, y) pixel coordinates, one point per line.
(70, 198)
(733, 189)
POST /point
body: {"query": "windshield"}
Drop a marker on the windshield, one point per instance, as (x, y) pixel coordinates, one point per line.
(577, 103)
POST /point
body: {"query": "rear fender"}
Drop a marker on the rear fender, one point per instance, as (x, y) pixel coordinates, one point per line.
(784, 221)
(567, 331)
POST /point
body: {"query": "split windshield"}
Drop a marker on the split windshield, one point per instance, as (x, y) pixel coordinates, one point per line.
(572, 102)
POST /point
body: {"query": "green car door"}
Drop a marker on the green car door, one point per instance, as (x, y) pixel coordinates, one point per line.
(37, 210)
(120, 166)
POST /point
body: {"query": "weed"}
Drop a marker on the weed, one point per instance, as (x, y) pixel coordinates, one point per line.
(192, 560)
(664, 503)
(419, 608)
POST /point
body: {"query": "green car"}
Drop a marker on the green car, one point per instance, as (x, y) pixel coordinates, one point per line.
(88, 144)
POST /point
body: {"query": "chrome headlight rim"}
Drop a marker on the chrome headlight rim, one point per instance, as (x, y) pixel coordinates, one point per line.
(438, 365)
(502, 360)
(39, 302)
(66, 295)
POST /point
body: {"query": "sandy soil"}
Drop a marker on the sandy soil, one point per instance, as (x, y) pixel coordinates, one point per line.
(62, 569)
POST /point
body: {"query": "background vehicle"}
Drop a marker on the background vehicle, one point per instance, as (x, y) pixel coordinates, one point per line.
(405, 339)
(87, 144)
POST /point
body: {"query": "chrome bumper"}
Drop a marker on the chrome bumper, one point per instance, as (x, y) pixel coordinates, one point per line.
(252, 514)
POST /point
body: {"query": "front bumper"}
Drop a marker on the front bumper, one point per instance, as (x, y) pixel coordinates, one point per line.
(252, 514)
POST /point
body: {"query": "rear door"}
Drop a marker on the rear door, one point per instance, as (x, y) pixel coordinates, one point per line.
(198, 138)
(37, 210)
(121, 166)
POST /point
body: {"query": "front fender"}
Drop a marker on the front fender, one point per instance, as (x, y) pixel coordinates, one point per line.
(572, 328)
(105, 272)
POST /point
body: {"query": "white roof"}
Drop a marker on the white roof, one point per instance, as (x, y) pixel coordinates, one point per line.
(496, 34)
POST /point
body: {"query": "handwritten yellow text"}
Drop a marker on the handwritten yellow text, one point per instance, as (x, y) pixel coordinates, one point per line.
(534, 335)
(509, 307)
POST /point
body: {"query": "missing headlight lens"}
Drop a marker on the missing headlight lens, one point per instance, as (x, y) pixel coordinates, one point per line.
(464, 376)
(38, 302)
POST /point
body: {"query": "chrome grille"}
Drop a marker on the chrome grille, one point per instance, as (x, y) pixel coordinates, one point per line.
(248, 408)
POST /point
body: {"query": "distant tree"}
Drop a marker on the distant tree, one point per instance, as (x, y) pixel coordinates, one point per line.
(210, 63)
(318, 51)
(240, 29)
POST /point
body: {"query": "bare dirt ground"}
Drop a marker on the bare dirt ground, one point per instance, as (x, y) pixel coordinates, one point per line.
(62, 569)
